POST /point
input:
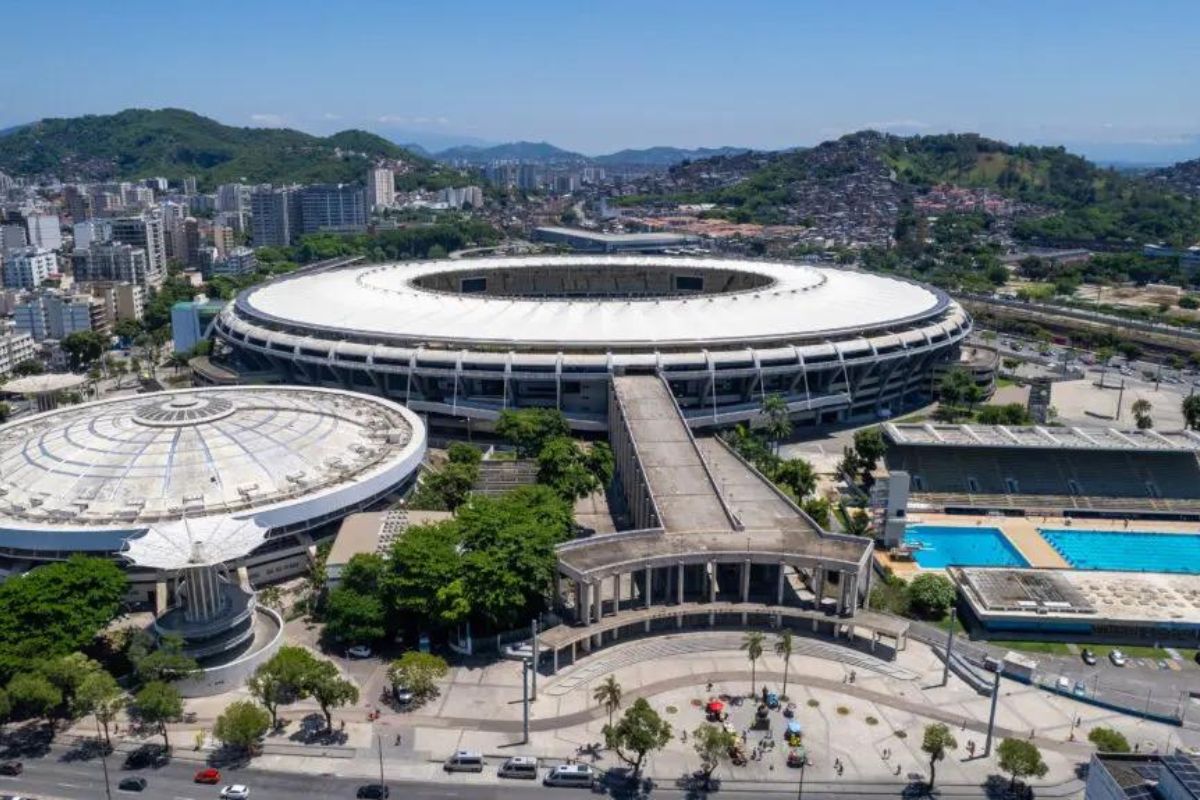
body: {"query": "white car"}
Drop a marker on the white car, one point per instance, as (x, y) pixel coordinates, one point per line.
(358, 651)
(1117, 658)
(235, 792)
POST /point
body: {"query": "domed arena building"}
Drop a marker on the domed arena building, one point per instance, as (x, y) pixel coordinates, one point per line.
(203, 493)
(465, 339)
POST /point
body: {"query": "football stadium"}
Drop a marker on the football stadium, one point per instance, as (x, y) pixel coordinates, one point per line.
(466, 339)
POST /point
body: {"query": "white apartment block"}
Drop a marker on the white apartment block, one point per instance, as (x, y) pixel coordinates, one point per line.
(53, 315)
(15, 348)
(381, 188)
(44, 231)
(28, 267)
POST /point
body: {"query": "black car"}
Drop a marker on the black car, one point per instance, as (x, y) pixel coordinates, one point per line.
(132, 784)
(1088, 657)
(146, 756)
(373, 791)
(11, 768)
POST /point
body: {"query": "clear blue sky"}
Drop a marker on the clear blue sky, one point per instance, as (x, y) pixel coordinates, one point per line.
(598, 76)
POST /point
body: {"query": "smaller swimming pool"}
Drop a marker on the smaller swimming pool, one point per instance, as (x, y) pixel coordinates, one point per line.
(944, 546)
(1127, 551)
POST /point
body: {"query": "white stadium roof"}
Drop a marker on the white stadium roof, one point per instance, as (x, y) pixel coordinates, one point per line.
(198, 475)
(794, 302)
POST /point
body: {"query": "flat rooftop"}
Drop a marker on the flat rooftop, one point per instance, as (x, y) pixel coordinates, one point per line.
(1036, 436)
(650, 238)
(1076, 594)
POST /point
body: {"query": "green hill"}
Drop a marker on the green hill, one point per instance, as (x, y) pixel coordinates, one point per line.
(140, 143)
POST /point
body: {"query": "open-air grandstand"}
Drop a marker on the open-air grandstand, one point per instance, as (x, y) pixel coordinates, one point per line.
(1052, 470)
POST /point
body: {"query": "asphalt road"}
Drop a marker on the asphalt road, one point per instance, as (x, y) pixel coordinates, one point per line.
(52, 777)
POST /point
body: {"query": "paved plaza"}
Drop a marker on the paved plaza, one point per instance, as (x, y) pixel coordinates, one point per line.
(872, 726)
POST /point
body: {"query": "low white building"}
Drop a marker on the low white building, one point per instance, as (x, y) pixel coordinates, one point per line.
(28, 267)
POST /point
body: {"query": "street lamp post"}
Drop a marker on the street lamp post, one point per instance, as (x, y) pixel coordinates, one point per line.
(949, 649)
(800, 789)
(987, 747)
(104, 761)
(379, 746)
(525, 700)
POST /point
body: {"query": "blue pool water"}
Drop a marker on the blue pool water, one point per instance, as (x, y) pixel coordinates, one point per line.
(943, 546)
(1127, 551)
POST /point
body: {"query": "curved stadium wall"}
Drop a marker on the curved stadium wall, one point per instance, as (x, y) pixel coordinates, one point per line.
(469, 338)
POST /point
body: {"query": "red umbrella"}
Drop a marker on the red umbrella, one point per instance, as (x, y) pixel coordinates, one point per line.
(715, 706)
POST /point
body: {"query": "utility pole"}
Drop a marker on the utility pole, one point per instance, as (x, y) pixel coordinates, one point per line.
(379, 746)
(949, 648)
(987, 747)
(1120, 396)
(104, 761)
(800, 790)
(534, 658)
(525, 701)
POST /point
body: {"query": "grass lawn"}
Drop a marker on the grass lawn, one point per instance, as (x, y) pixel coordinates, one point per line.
(1004, 382)
(944, 624)
(1049, 648)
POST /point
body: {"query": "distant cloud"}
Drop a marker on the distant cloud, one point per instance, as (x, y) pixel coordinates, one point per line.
(401, 119)
(269, 120)
(329, 116)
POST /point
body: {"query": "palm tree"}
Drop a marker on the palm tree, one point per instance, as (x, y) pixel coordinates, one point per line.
(779, 422)
(1191, 411)
(608, 694)
(752, 643)
(783, 647)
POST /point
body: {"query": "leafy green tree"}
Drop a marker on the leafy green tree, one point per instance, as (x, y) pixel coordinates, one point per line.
(29, 366)
(280, 680)
(5, 707)
(162, 661)
(528, 429)
(1141, 413)
(242, 724)
(82, 348)
(952, 388)
(608, 694)
(573, 471)
(931, 595)
(128, 329)
(354, 617)
(936, 742)
(100, 695)
(33, 695)
(797, 475)
(323, 683)
(157, 704)
(509, 556)
(1021, 759)
(713, 744)
(425, 577)
(752, 643)
(5, 412)
(1108, 740)
(783, 648)
(1191, 411)
(68, 672)
(818, 509)
(446, 488)
(639, 731)
(778, 420)
(463, 453)
(418, 672)
(56, 609)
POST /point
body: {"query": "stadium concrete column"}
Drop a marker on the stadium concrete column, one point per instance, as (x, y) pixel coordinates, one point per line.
(818, 591)
(649, 579)
(616, 606)
(596, 605)
(779, 594)
(711, 568)
(745, 589)
(679, 597)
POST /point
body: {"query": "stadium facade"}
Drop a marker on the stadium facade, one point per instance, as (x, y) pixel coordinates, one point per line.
(201, 493)
(469, 338)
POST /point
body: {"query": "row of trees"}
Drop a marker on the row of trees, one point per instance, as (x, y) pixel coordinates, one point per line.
(293, 674)
(1018, 757)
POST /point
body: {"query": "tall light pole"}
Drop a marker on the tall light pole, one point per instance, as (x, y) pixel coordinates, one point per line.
(104, 760)
(534, 658)
(987, 746)
(525, 700)
(379, 746)
(949, 648)
(800, 789)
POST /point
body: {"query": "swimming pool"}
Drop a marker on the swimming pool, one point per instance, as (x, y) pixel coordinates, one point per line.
(943, 546)
(1127, 551)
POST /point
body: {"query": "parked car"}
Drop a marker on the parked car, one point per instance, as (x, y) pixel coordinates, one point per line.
(359, 651)
(519, 767)
(133, 783)
(402, 695)
(464, 761)
(373, 791)
(237, 791)
(581, 775)
(1088, 657)
(209, 775)
(1117, 658)
(12, 768)
(147, 756)
(1062, 684)
(1080, 689)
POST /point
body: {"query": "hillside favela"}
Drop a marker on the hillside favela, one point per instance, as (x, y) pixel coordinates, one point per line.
(643, 400)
